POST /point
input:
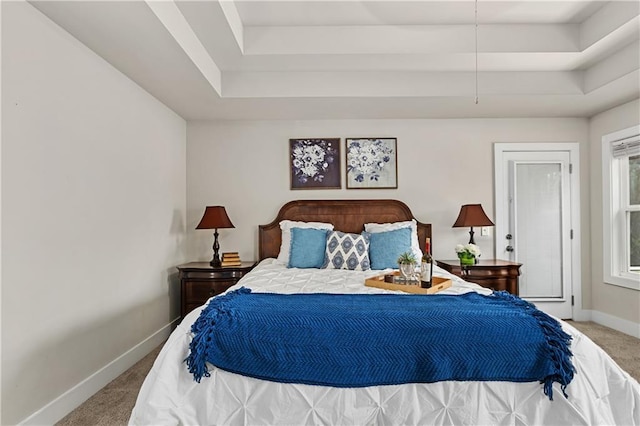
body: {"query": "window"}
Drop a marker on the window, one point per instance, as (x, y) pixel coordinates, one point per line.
(621, 207)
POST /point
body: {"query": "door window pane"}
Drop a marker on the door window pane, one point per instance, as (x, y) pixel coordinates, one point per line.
(538, 236)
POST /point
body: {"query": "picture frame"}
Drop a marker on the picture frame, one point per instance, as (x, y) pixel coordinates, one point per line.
(315, 163)
(371, 163)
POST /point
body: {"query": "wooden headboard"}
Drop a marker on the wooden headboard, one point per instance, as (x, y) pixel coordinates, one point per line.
(345, 215)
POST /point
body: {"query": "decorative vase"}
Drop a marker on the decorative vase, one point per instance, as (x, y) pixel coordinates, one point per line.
(466, 259)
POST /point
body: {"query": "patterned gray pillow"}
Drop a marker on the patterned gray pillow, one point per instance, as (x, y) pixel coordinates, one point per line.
(347, 251)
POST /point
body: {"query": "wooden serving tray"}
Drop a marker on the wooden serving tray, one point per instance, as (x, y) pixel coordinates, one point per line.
(381, 281)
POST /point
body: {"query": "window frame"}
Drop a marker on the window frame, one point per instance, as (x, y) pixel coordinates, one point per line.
(616, 213)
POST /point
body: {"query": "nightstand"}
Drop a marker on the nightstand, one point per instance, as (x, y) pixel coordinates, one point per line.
(199, 281)
(495, 274)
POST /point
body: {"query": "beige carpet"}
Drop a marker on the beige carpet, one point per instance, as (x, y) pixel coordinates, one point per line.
(624, 349)
(113, 404)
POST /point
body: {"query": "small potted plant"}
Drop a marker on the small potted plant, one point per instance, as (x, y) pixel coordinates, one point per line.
(407, 262)
(467, 253)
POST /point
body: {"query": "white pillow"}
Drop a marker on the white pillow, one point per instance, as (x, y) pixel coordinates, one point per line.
(285, 246)
(384, 227)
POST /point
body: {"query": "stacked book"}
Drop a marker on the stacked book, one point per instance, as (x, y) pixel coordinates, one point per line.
(231, 259)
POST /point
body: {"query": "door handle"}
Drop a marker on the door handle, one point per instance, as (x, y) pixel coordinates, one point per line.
(509, 248)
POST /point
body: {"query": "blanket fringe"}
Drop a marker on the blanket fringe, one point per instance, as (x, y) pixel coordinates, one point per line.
(558, 343)
(201, 329)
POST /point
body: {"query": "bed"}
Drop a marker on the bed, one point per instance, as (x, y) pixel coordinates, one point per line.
(599, 393)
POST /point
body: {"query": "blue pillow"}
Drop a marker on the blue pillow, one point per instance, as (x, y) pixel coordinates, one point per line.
(307, 247)
(386, 247)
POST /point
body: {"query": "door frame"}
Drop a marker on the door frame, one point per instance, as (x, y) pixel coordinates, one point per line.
(501, 190)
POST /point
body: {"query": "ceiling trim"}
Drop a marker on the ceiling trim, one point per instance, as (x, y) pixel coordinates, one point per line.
(176, 24)
(410, 39)
(235, 22)
(236, 59)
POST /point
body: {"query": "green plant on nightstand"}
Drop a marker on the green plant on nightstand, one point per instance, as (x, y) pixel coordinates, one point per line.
(467, 253)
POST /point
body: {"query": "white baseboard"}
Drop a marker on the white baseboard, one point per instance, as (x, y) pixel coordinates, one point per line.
(624, 326)
(71, 399)
(581, 314)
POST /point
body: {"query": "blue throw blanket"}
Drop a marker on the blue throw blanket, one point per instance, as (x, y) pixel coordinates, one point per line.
(356, 340)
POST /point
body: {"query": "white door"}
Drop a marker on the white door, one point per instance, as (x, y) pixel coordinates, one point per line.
(534, 222)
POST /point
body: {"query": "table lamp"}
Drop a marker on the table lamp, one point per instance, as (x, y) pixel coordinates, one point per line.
(472, 215)
(215, 217)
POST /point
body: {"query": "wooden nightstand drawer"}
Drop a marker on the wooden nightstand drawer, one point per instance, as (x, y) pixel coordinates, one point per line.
(199, 281)
(214, 275)
(202, 290)
(491, 273)
(480, 273)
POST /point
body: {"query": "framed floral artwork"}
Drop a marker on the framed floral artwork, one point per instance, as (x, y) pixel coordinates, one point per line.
(372, 163)
(315, 163)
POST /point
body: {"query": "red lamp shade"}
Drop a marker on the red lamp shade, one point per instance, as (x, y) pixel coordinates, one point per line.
(215, 217)
(472, 215)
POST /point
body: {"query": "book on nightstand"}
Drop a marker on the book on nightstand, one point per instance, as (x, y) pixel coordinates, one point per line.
(231, 259)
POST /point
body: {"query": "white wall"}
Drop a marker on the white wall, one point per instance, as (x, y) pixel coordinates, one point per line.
(442, 164)
(93, 212)
(610, 302)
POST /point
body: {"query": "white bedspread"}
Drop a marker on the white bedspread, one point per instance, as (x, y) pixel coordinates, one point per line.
(600, 394)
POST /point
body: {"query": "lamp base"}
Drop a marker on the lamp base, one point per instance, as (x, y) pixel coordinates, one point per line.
(215, 262)
(471, 241)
